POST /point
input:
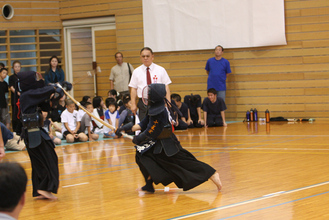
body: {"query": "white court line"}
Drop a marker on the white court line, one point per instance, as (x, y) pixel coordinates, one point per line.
(257, 148)
(286, 149)
(230, 149)
(271, 195)
(75, 153)
(124, 146)
(78, 184)
(261, 135)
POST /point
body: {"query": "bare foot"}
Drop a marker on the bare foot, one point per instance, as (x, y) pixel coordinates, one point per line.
(40, 197)
(215, 178)
(47, 195)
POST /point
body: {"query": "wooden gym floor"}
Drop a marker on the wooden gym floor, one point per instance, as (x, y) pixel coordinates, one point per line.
(269, 171)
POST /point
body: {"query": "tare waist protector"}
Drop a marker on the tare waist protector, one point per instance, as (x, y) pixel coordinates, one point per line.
(31, 123)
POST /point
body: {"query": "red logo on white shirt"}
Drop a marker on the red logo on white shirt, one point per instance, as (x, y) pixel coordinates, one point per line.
(155, 78)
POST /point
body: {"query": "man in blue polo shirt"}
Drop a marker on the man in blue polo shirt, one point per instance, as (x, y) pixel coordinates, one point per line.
(218, 69)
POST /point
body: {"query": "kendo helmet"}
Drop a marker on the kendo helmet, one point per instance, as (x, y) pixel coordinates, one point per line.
(153, 96)
(29, 80)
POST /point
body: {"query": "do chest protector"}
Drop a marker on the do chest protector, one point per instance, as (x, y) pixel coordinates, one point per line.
(163, 141)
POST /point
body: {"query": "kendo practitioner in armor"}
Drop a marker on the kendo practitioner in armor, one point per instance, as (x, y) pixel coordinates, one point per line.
(36, 97)
(159, 154)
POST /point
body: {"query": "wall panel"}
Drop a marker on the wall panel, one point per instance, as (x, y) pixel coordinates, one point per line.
(32, 14)
(81, 63)
(290, 80)
(105, 49)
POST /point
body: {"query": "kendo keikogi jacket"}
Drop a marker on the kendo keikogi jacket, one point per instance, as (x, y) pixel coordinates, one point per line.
(157, 135)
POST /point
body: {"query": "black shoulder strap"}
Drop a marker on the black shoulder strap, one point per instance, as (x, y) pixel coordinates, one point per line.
(129, 71)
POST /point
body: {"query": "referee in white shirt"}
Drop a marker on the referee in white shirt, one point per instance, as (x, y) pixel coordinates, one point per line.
(140, 79)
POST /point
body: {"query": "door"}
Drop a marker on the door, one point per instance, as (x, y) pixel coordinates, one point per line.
(105, 48)
(90, 45)
(80, 62)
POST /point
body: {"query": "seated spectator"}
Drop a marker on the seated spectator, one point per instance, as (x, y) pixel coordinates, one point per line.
(48, 128)
(112, 116)
(71, 125)
(56, 129)
(127, 115)
(193, 103)
(57, 109)
(86, 125)
(13, 180)
(83, 102)
(81, 112)
(54, 117)
(114, 94)
(213, 110)
(181, 121)
(86, 98)
(2, 146)
(11, 140)
(99, 112)
(123, 106)
(4, 113)
(2, 65)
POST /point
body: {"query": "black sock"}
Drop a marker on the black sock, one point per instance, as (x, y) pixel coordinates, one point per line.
(148, 186)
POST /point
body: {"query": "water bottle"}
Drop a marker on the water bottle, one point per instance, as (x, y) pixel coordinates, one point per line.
(268, 128)
(248, 116)
(255, 115)
(267, 116)
(251, 115)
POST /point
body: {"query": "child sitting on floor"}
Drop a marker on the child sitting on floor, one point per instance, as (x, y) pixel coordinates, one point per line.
(48, 128)
(114, 94)
(99, 112)
(86, 125)
(127, 115)
(112, 116)
(4, 113)
(71, 125)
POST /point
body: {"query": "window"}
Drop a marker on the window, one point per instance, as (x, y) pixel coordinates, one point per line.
(32, 48)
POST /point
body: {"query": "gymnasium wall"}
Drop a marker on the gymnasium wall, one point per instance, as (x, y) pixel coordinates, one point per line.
(290, 81)
(32, 14)
(32, 35)
(127, 38)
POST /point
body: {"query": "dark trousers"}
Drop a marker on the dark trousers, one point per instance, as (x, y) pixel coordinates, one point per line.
(196, 123)
(181, 125)
(142, 109)
(17, 126)
(124, 93)
(214, 120)
(44, 162)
